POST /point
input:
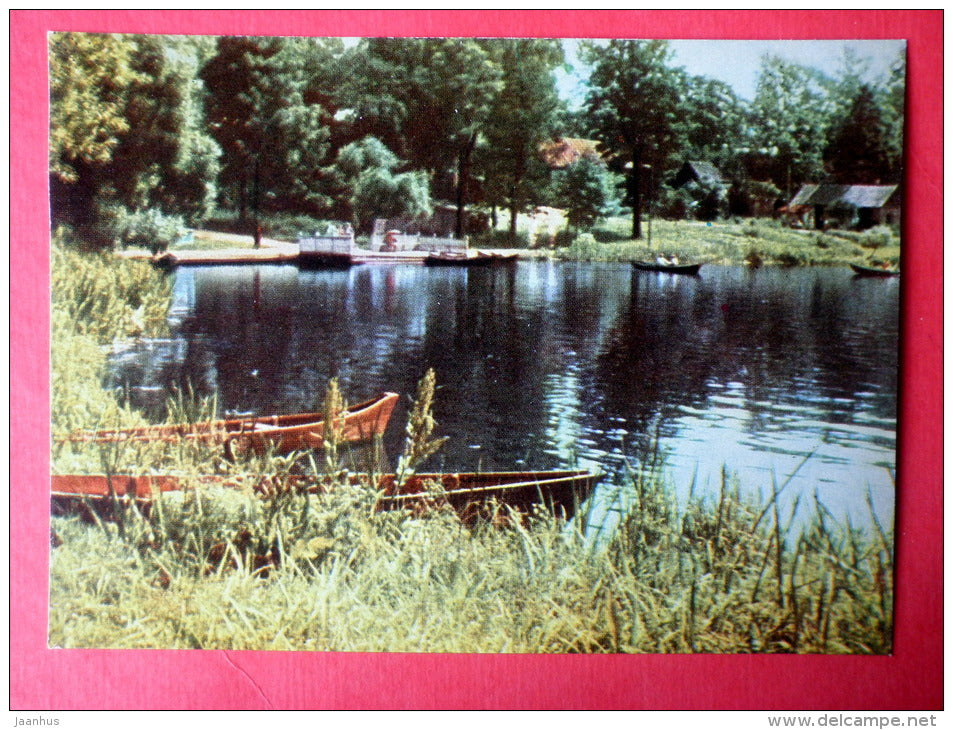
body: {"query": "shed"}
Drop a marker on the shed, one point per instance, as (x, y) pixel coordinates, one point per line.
(864, 205)
(703, 173)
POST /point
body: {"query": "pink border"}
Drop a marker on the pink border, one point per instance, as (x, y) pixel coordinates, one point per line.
(41, 679)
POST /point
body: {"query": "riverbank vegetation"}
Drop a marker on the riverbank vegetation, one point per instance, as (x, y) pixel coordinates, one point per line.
(153, 135)
(277, 568)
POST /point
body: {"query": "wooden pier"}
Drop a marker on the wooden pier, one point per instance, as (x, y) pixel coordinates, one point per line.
(281, 252)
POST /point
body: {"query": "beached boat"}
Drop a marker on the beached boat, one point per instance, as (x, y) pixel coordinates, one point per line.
(874, 270)
(689, 269)
(286, 433)
(469, 494)
(474, 494)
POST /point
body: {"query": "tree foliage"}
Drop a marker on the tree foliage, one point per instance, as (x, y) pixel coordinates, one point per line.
(374, 189)
(791, 114)
(635, 107)
(523, 114)
(126, 132)
(273, 141)
(173, 125)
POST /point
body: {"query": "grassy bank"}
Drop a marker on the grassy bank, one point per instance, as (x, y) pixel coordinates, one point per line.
(743, 241)
(287, 570)
(759, 242)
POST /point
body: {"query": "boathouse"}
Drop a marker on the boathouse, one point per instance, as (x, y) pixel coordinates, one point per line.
(854, 206)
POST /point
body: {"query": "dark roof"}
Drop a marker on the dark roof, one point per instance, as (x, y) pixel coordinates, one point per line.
(858, 196)
(701, 172)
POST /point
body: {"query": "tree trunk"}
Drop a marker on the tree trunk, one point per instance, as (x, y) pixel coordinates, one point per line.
(518, 173)
(635, 191)
(463, 173)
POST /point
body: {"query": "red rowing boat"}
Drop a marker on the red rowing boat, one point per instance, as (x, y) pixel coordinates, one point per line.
(469, 494)
(291, 432)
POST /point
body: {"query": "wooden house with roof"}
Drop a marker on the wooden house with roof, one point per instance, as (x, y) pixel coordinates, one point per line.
(860, 206)
(700, 173)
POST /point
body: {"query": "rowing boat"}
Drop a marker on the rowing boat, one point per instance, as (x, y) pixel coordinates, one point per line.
(861, 270)
(459, 258)
(285, 433)
(470, 494)
(689, 269)
(475, 494)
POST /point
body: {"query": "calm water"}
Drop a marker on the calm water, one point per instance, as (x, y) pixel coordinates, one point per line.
(547, 365)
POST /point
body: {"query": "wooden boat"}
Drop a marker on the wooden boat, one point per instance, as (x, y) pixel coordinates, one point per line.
(459, 258)
(502, 258)
(486, 494)
(861, 270)
(689, 269)
(291, 432)
(471, 495)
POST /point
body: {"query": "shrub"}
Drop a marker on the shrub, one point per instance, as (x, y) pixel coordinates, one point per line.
(150, 229)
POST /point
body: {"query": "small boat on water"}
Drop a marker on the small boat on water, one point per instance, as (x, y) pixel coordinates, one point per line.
(861, 270)
(471, 495)
(286, 433)
(668, 268)
(459, 258)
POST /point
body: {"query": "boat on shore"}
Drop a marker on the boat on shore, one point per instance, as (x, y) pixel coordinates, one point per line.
(879, 271)
(668, 268)
(284, 433)
(470, 494)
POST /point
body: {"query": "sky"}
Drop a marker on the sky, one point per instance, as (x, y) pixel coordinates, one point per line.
(737, 62)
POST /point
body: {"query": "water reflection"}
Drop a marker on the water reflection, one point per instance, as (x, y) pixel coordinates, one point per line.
(546, 364)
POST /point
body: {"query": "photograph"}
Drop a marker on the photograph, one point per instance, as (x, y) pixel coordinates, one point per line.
(475, 344)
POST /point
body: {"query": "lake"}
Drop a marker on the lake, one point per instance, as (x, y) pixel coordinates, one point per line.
(769, 373)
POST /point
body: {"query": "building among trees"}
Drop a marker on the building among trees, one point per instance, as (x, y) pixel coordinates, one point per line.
(858, 206)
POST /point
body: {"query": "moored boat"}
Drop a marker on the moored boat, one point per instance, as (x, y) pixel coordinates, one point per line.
(689, 269)
(861, 270)
(459, 258)
(286, 433)
(470, 494)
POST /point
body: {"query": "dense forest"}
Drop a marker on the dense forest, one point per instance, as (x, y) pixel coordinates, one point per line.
(150, 134)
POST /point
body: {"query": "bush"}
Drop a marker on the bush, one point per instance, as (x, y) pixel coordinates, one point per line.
(150, 229)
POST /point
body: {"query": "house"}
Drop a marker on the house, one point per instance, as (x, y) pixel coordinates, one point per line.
(563, 151)
(860, 206)
(701, 173)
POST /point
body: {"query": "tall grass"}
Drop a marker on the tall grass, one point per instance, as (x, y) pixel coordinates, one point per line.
(714, 577)
(268, 563)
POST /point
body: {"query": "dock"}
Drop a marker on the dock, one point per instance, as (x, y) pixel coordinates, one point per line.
(281, 252)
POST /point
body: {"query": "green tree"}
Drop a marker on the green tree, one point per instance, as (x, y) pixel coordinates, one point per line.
(893, 109)
(716, 123)
(125, 132)
(523, 114)
(428, 100)
(634, 105)
(858, 151)
(374, 188)
(791, 113)
(274, 143)
(586, 190)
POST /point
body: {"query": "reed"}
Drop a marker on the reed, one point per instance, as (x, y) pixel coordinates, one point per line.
(232, 569)
(270, 564)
